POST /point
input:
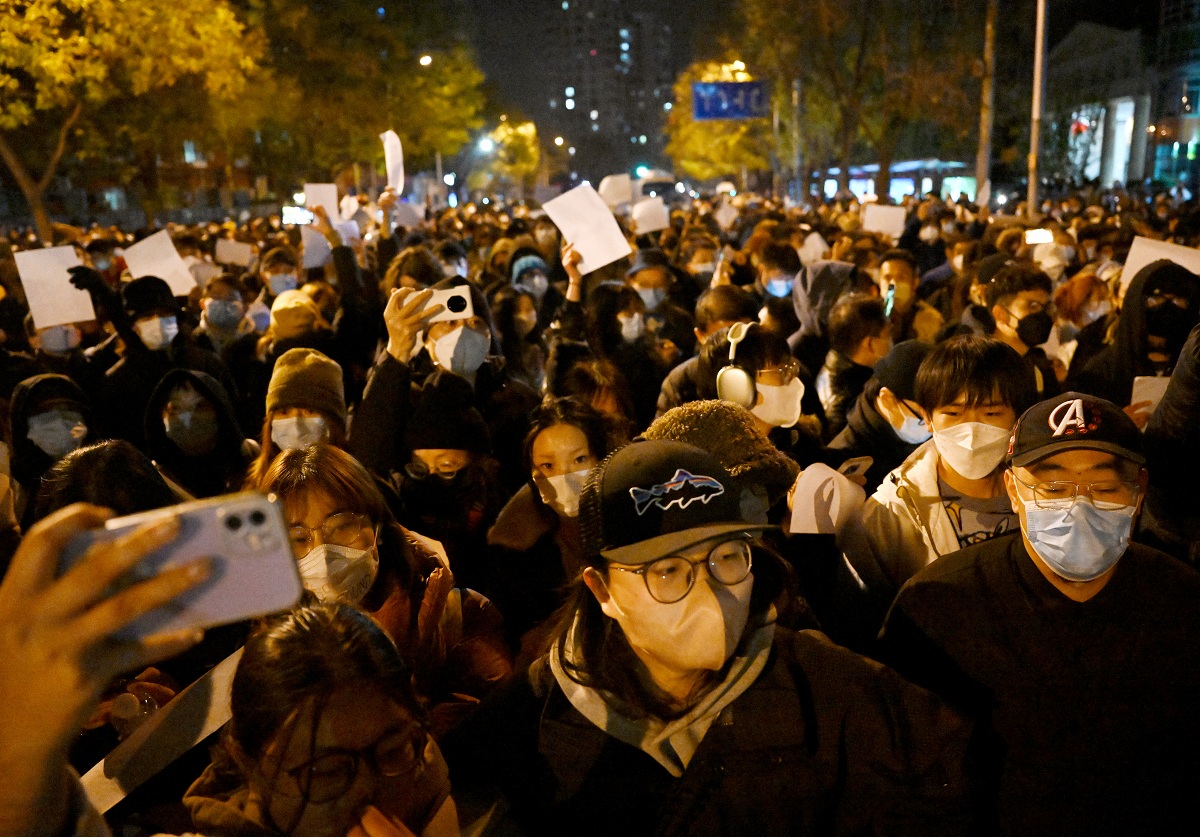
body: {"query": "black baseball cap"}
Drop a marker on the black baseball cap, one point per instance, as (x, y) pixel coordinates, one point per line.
(1072, 421)
(653, 498)
(897, 370)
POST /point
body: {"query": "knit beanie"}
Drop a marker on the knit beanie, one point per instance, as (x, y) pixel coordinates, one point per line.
(728, 432)
(898, 369)
(445, 417)
(526, 263)
(306, 378)
(293, 313)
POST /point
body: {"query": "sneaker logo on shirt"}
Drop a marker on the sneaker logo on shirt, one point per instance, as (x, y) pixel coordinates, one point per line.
(682, 490)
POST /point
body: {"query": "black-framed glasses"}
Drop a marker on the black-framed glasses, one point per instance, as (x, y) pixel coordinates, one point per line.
(670, 579)
(904, 406)
(341, 529)
(332, 773)
(1107, 494)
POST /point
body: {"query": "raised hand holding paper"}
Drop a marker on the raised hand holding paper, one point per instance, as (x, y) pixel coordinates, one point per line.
(1147, 250)
(157, 256)
(322, 194)
(393, 160)
(586, 222)
(53, 300)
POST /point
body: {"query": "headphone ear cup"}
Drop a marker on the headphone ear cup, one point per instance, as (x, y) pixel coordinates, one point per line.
(735, 384)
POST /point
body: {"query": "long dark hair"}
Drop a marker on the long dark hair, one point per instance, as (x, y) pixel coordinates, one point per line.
(603, 659)
(602, 328)
(554, 411)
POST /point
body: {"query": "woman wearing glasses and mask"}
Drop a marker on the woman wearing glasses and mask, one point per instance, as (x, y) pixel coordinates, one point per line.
(327, 738)
(350, 549)
(670, 702)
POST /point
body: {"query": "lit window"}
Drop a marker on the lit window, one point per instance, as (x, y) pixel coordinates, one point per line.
(570, 91)
(594, 115)
(569, 104)
(566, 5)
(596, 127)
(666, 105)
(642, 139)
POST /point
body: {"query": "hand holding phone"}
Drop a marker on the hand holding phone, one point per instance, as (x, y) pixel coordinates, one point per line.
(242, 536)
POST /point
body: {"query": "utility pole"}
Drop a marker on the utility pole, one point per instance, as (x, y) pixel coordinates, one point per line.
(1035, 127)
(983, 158)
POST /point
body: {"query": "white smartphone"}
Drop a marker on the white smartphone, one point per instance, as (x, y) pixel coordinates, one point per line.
(297, 216)
(856, 466)
(456, 304)
(254, 571)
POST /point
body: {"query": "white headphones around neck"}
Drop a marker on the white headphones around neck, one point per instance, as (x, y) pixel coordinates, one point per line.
(734, 383)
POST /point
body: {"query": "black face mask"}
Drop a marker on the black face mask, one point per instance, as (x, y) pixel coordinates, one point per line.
(1172, 323)
(1034, 329)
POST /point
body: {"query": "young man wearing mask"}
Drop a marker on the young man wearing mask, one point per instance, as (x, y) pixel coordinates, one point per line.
(652, 277)
(886, 422)
(911, 318)
(950, 492)
(1019, 300)
(1076, 652)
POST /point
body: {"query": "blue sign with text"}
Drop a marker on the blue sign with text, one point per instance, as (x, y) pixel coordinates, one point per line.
(730, 100)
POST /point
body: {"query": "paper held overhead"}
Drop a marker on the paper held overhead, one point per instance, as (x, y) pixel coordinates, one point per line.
(888, 220)
(53, 300)
(650, 215)
(587, 223)
(316, 250)
(234, 252)
(157, 256)
(1147, 251)
(348, 207)
(322, 194)
(616, 189)
(393, 161)
(405, 215)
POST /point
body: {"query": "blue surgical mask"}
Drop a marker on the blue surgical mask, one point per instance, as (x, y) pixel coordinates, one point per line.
(280, 282)
(913, 430)
(779, 287)
(1079, 543)
(653, 297)
(223, 313)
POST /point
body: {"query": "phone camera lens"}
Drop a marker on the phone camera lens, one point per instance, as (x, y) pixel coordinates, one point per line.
(257, 518)
(233, 523)
(456, 304)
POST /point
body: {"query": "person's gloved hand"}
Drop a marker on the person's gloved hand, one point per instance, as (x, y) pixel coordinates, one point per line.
(87, 278)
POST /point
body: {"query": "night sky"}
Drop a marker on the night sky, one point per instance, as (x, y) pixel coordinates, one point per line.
(508, 34)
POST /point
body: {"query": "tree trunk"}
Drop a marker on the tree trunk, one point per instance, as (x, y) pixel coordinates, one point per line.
(983, 156)
(35, 190)
(886, 147)
(845, 144)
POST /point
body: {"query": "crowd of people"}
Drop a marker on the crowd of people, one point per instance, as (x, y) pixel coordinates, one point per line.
(777, 526)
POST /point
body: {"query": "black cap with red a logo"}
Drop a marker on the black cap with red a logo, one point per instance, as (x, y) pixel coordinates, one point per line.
(1074, 420)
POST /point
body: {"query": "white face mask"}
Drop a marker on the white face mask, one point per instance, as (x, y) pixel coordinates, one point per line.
(157, 333)
(462, 351)
(700, 631)
(958, 262)
(973, 449)
(653, 297)
(299, 432)
(536, 283)
(57, 432)
(632, 326)
(780, 406)
(342, 573)
(929, 234)
(280, 282)
(561, 493)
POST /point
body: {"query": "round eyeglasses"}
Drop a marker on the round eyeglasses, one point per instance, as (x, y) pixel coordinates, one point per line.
(670, 579)
(341, 529)
(332, 773)
(1109, 494)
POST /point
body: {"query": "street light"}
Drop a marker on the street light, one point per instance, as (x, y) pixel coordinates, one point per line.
(558, 141)
(426, 60)
(486, 145)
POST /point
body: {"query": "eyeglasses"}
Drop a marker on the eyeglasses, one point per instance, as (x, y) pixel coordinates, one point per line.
(904, 406)
(780, 375)
(341, 529)
(1110, 494)
(331, 774)
(670, 579)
